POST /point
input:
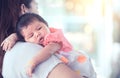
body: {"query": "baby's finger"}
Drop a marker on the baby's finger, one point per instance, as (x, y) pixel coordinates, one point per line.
(29, 73)
(10, 45)
(3, 46)
(2, 43)
(6, 47)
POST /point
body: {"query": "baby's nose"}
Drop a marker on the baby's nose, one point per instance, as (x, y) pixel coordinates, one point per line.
(37, 34)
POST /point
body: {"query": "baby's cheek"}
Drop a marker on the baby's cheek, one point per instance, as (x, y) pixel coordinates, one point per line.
(36, 42)
(32, 41)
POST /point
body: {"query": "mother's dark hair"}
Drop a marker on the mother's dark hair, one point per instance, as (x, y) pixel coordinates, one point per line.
(9, 13)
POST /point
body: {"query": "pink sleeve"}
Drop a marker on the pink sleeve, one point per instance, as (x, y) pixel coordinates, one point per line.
(56, 35)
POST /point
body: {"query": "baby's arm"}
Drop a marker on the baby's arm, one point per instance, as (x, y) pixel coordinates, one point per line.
(43, 55)
(9, 42)
(46, 52)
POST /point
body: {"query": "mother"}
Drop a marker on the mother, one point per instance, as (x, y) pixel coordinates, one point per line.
(15, 60)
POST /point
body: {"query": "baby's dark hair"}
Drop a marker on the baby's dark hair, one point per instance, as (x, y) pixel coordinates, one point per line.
(25, 20)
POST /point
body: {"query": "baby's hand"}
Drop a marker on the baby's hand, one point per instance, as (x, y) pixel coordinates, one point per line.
(9, 42)
(30, 67)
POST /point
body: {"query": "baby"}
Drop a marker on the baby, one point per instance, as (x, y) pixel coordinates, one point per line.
(33, 28)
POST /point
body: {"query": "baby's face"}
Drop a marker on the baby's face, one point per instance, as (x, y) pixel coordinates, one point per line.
(35, 32)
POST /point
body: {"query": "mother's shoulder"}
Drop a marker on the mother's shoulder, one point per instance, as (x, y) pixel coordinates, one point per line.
(25, 44)
(24, 48)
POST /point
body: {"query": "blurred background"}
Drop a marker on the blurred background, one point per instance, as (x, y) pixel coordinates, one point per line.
(90, 25)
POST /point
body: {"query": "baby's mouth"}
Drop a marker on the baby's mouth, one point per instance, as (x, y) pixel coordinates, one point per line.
(41, 40)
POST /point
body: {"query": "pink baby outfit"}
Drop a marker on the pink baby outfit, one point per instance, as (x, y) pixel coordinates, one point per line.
(56, 35)
(76, 60)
